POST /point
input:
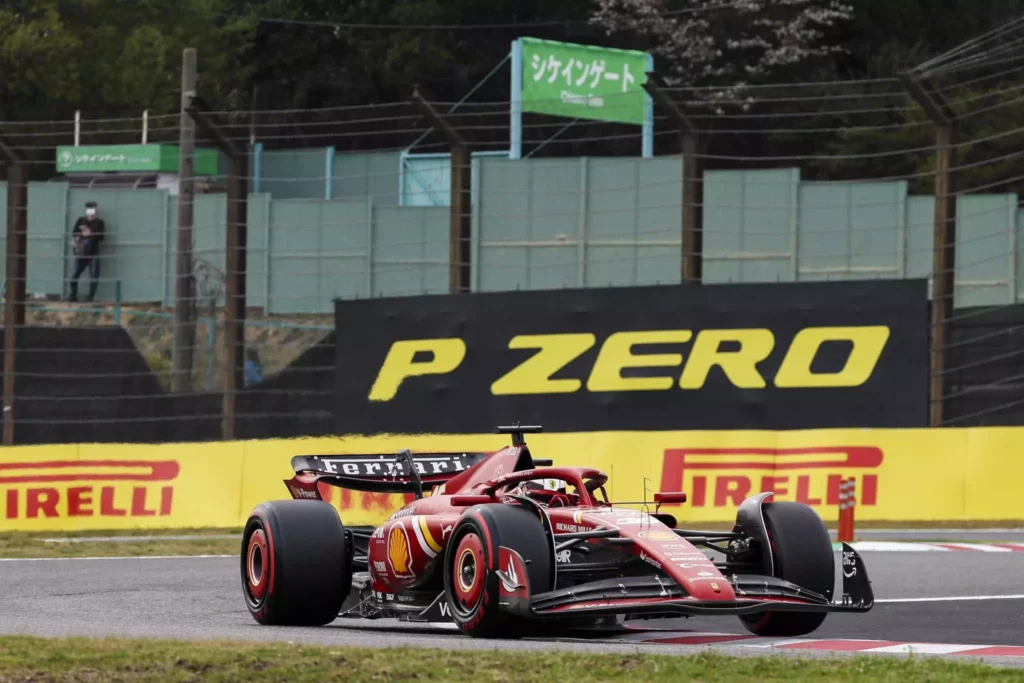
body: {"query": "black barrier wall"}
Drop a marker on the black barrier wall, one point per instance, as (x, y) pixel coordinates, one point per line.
(86, 385)
(985, 367)
(778, 356)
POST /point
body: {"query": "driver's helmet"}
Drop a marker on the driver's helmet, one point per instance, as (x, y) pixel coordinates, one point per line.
(540, 486)
(545, 490)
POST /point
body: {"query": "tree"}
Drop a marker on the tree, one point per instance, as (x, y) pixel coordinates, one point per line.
(313, 64)
(725, 45)
(112, 59)
(39, 60)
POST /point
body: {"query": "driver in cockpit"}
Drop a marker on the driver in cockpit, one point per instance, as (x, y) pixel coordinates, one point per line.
(547, 492)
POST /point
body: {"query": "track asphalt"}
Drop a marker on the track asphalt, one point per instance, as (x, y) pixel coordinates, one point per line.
(199, 598)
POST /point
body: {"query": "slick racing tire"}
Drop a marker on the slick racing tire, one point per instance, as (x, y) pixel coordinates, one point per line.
(296, 564)
(802, 550)
(471, 582)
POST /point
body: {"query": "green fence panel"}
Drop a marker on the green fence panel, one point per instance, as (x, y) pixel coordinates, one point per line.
(345, 251)
(49, 240)
(985, 238)
(1018, 260)
(527, 216)
(410, 254)
(295, 174)
(851, 231)
(425, 179)
(553, 223)
(632, 221)
(750, 225)
(920, 224)
(209, 234)
(877, 229)
(537, 224)
(318, 252)
(258, 253)
(358, 176)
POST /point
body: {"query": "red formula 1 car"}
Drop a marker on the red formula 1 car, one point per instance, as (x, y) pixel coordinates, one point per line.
(506, 543)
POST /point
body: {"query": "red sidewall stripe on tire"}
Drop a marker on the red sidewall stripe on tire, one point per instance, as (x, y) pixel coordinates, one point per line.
(492, 552)
(474, 547)
(258, 541)
(270, 548)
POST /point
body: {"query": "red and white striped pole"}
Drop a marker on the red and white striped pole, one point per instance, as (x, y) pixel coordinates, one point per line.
(842, 511)
(847, 505)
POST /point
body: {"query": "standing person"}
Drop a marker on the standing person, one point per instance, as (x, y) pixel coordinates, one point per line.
(87, 234)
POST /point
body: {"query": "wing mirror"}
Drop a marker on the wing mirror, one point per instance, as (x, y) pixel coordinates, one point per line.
(670, 498)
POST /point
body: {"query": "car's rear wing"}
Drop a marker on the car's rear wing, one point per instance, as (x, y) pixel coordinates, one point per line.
(405, 472)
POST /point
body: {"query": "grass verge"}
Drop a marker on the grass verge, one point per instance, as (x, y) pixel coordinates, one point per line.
(39, 659)
(19, 544)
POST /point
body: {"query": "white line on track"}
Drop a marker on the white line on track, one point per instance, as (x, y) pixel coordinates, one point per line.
(919, 547)
(128, 557)
(945, 532)
(957, 598)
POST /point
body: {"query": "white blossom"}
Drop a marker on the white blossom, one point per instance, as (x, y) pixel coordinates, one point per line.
(722, 45)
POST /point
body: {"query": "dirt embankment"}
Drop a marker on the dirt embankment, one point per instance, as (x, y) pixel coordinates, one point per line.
(277, 339)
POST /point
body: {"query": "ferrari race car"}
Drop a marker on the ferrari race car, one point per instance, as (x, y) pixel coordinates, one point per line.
(505, 543)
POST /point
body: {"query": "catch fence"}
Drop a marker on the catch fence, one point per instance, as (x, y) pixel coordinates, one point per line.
(916, 176)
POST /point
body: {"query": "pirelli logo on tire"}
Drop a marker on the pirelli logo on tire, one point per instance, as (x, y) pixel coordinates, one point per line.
(716, 357)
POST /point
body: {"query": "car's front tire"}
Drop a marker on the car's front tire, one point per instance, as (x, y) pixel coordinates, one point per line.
(802, 550)
(296, 565)
(472, 586)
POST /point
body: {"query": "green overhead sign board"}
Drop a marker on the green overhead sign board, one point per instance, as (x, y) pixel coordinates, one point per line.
(131, 159)
(584, 82)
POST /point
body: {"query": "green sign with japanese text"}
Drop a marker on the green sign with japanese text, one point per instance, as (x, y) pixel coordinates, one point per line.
(584, 82)
(130, 159)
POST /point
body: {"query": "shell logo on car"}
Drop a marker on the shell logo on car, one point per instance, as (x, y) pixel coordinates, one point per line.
(399, 556)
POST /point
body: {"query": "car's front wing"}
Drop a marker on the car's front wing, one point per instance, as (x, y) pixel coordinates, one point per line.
(657, 595)
(644, 596)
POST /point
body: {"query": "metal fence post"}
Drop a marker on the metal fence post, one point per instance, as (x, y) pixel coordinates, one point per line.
(14, 285)
(692, 266)
(944, 246)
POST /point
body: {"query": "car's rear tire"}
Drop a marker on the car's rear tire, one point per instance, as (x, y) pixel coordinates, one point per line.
(471, 583)
(802, 550)
(296, 565)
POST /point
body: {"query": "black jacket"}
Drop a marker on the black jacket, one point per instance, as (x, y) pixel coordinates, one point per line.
(88, 246)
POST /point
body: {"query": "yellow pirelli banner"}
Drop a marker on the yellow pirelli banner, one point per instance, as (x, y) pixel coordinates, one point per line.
(901, 475)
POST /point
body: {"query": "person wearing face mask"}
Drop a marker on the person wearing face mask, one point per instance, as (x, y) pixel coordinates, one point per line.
(87, 234)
